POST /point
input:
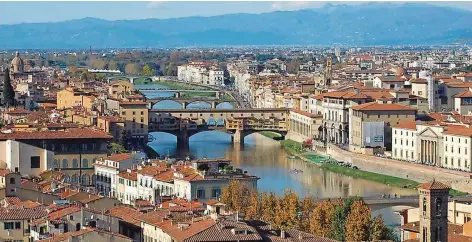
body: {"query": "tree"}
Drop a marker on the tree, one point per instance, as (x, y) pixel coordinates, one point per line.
(291, 206)
(8, 92)
(112, 65)
(268, 203)
(131, 68)
(321, 222)
(358, 222)
(339, 219)
(253, 211)
(306, 209)
(378, 230)
(147, 71)
(116, 148)
(279, 216)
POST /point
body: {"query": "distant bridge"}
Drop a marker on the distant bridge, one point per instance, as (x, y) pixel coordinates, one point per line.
(239, 123)
(186, 101)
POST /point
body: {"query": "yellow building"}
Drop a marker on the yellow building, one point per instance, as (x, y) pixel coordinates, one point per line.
(115, 89)
(136, 118)
(71, 98)
(113, 125)
(72, 151)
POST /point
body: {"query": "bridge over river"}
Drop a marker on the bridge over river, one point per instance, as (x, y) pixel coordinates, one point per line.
(239, 123)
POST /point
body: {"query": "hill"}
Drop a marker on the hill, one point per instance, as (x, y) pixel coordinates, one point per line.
(365, 24)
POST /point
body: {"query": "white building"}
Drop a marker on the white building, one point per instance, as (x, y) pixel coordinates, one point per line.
(202, 73)
(107, 169)
(445, 145)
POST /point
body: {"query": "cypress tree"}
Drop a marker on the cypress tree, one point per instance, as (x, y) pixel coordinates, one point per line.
(8, 92)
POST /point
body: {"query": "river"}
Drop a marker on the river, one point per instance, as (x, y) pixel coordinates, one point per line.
(264, 157)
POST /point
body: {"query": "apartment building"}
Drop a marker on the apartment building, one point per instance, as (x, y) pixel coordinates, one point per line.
(371, 123)
(106, 172)
(70, 97)
(136, 119)
(202, 73)
(120, 88)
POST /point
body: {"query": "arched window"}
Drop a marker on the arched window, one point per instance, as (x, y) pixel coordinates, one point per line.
(12, 180)
(56, 163)
(75, 163)
(74, 179)
(66, 178)
(438, 206)
(85, 163)
(85, 179)
(65, 163)
(94, 160)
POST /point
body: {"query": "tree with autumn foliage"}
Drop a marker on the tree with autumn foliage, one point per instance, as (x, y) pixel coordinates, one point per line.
(236, 196)
(253, 211)
(358, 222)
(306, 210)
(290, 204)
(339, 219)
(321, 222)
(268, 204)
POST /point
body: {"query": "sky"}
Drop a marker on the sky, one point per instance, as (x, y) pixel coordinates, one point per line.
(38, 12)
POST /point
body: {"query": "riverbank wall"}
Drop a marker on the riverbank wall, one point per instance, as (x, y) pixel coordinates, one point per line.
(420, 173)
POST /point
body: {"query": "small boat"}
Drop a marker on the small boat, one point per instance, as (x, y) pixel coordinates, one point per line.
(291, 157)
(296, 171)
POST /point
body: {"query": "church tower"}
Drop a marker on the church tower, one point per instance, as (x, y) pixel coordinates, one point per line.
(433, 211)
(328, 71)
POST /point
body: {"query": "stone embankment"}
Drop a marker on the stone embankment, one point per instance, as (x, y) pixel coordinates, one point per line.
(457, 180)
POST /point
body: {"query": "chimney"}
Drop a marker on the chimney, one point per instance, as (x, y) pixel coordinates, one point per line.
(282, 234)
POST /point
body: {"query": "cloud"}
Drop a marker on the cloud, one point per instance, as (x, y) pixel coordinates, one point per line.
(155, 4)
(290, 5)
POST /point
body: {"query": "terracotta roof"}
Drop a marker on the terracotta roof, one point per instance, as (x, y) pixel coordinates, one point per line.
(17, 111)
(153, 217)
(458, 84)
(119, 157)
(375, 106)
(391, 79)
(112, 118)
(58, 214)
(406, 125)
(194, 228)
(27, 204)
(167, 176)
(65, 236)
(129, 175)
(307, 114)
(466, 93)
(18, 213)
(419, 81)
(465, 75)
(152, 170)
(73, 133)
(458, 130)
(434, 185)
(222, 231)
(12, 200)
(126, 214)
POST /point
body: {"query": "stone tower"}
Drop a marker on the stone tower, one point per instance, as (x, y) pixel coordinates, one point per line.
(328, 72)
(433, 211)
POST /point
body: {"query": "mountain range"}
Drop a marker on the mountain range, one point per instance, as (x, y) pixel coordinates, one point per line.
(364, 24)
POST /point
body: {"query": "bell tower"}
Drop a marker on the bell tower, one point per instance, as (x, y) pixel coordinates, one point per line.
(433, 211)
(328, 71)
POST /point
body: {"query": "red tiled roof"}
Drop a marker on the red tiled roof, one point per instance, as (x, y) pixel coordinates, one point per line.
(73, 133)
(466, 93)
(434, 185)
(18, 213)
(307, 114)
(418, 81)
(133, 103)
(129, 175)
(406, 125)
(375, 106)
(126, 214)
(119, 157)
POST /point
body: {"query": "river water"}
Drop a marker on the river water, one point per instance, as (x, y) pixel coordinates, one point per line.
(263, 157)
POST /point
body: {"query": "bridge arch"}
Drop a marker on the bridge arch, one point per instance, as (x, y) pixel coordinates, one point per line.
(167, 103)
(224, 105)
(198, 102)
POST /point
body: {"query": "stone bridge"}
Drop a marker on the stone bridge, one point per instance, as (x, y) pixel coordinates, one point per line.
(186, 101)
(130, 78)
(239, 123)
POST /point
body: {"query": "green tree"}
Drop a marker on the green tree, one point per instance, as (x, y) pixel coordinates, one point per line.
(147, 71)
(116, 148)
(8, 92)
(112, 65)
(378, 230)
(339, 219)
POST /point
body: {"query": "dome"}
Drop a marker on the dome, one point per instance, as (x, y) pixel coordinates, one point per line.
(17, 64)
(400, 71)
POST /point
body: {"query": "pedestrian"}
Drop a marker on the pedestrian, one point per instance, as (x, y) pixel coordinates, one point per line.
(395, 195)
(388, 196)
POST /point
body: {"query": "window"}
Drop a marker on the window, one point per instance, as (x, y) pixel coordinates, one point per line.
(121, 181)
(35, 162)
(424, 205)
(65, 163)
(12, 180)
(134, 113)
(445, 161)
(438, 206)
(201, 193)
(446, 147)
(123, 113)
(17, 225)
(8, 225)
(75, 163)
(215, 192)
(142, 112)
(85, 163)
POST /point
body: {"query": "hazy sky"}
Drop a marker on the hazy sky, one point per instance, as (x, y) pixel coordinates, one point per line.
(20, 12)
